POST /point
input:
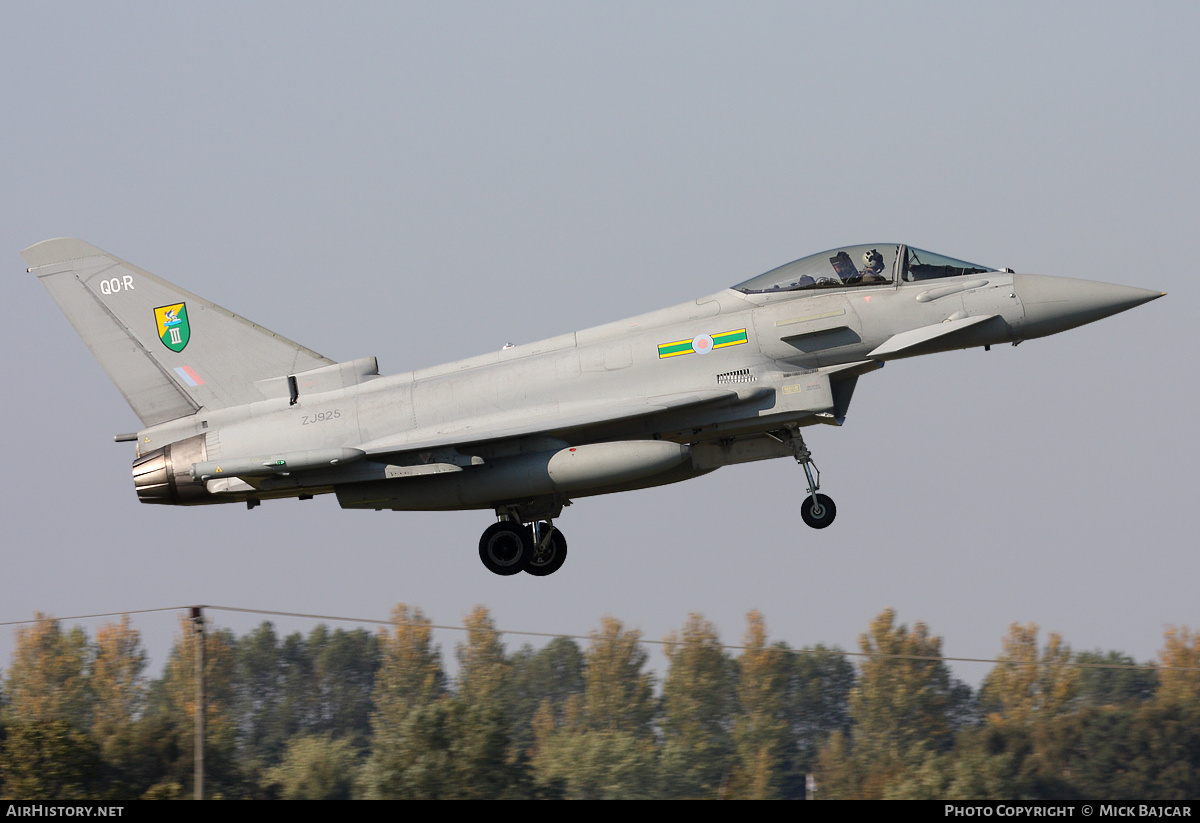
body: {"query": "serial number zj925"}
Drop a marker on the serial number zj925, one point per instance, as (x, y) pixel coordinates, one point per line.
(320, 417)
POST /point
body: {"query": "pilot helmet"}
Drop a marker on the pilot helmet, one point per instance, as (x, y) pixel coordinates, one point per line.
(872, 261)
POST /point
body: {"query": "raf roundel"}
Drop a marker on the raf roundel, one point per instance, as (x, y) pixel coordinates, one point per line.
(702, 344)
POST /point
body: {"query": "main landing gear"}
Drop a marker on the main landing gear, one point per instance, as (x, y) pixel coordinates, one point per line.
(508, 547)
(817, 510)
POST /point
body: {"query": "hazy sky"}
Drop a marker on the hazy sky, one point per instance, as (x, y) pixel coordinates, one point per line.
(428, 181)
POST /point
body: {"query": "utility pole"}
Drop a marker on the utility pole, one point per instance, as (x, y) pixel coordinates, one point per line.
(198, 631)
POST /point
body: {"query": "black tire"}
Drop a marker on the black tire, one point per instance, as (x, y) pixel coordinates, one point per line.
(549, 560)
(504, 547)
(820, 515)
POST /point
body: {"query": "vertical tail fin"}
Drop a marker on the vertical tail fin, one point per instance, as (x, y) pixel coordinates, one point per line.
(168, 351)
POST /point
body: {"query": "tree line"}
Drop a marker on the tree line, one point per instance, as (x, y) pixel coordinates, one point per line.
(355, 714)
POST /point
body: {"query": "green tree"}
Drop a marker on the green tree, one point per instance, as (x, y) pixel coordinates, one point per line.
(1179, 680)
(761, 727)
(264, 722)
(1027, 686)
(999, 761)
(316, 685)
(1162, 756)
(618, 695)
(905, 694)
(47, 752)
(48, 678)
(48, 760)
(905, 706)
(1162, 748)
(172, 711)
(484, 765)
(410, 752)
(119, 689)
(789, 704)
(118, 680)
(822, 680)
(343, 665)
(602, 747)
(1115, 740)
(316, 767)
(1113, 679)
(573, 762)
(697, 717)
(546, 677)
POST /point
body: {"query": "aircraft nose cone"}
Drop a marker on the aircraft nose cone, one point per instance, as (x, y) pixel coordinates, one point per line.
(1054, 304)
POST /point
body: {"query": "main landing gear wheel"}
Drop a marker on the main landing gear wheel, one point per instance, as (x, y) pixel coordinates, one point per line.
(818, 511)
(549, 550)
(505, 547)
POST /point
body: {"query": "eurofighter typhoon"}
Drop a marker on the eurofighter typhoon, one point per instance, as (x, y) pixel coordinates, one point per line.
(232, 412)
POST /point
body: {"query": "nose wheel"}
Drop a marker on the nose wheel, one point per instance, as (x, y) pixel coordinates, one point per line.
(817, 510)
(508, 547)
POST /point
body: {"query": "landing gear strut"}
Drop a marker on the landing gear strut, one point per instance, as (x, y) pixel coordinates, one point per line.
(549, 550)
(817, 510)
(508, 547)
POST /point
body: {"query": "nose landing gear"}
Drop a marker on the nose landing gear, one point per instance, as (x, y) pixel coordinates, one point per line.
(817, 510)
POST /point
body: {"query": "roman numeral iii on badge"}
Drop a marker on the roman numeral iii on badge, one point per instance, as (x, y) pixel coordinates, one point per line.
(173, 329)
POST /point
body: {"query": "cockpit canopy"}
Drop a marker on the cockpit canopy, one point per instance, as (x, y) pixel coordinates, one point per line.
(867, 265)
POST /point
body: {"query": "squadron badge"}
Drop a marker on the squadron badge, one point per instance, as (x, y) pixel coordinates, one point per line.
(173, 328)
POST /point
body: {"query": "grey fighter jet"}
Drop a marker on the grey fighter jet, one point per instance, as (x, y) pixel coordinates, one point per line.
(232, 412)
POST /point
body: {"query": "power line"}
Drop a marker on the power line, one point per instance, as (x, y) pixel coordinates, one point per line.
(552, 635)
(89, 616)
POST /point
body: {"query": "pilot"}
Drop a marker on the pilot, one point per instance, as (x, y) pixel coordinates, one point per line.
(872, 271)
